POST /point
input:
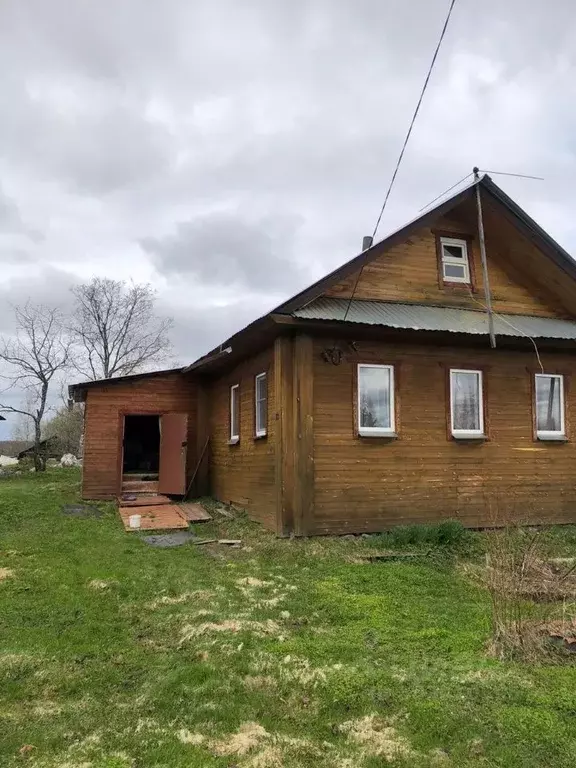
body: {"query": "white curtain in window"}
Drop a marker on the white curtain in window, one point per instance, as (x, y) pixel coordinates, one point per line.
(466, 401)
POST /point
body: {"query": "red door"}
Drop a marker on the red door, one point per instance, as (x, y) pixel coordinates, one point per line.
(173, 443)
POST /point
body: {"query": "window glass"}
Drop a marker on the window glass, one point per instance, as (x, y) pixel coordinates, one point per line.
(234, 413)
(549, 404)
(261, 404)
(466, 401)
(455, 265)
(376, 398)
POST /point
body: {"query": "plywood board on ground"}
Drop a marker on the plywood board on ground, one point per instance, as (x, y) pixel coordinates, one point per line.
(154, 518)
(146, 500)
(194, 513)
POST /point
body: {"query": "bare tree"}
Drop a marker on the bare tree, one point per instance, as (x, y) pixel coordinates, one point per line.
(116, 329)
(23, 425)
(38, 351)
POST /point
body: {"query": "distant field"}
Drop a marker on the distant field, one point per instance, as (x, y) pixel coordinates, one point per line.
(282, 653)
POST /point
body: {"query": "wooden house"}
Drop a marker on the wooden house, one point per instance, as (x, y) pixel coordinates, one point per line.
(375, 397)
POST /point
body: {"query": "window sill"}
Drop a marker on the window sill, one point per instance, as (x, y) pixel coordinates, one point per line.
(378, 435)
(261, 436)
(470, 436)
(234, 441)
(552, 438)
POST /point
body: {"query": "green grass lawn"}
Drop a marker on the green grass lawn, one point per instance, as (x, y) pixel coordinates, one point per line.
(281, 653)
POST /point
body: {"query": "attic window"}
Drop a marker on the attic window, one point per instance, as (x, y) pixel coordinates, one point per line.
(455, 262)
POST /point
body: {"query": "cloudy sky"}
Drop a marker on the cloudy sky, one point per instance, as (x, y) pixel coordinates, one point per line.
(232, 152)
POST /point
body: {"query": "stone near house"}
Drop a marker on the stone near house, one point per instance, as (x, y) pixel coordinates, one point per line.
(8, 461)
(69, 460)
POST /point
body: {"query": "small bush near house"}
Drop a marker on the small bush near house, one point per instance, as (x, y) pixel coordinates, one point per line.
(532, 595)
(448, 533)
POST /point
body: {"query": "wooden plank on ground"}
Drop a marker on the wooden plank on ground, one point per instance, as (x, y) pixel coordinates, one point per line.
(156, 518)
(194, 512)
(146, 500)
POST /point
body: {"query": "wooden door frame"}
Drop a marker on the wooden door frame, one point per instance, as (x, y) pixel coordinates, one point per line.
(121, 423)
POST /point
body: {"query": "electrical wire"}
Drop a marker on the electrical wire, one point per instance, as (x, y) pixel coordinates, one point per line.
(445, 192)
(518, 330)
(401, 155)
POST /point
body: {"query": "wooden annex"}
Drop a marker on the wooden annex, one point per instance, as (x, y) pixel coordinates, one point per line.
(374, 398)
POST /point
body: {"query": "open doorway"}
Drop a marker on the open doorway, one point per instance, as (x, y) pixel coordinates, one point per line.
(141, 446)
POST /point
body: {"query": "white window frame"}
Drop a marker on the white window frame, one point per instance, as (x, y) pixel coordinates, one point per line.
(549, 434)
(234, 411)
(463, 262)
(470, 433)
(260, 430)
(376, 431)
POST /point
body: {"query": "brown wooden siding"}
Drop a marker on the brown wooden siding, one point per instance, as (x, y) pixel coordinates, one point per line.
(244, 473)
(424, 475)
(409, 272)
(104, 406)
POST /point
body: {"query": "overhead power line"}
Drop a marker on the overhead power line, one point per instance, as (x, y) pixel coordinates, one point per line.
(405, 144)
(415, 115)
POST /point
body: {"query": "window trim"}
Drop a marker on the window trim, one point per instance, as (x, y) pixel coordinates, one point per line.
(263, 431)
(234, 411)
(463, 434)
(376, 431)
(547, 434)
(465, 261)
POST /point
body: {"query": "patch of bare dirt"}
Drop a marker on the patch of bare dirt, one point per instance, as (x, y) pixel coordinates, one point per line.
(250, 581)
(260, 628)
(99, 584)
(248, 736)
(269, 757)
(6, 573)
(378, 737)
(199, 594)
(259, 682)
(187, 737)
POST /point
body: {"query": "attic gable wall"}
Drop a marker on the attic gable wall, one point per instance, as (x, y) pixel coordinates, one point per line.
(409, 271)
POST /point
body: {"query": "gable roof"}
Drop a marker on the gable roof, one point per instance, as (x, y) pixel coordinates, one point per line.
(16, 449)
(12, 448)
(265, 327)
(527, 224)
(521, 219)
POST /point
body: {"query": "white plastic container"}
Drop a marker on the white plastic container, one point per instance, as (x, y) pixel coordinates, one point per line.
(134, 521)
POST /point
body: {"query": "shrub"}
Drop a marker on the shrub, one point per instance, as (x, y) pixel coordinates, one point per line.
(529, 591)
(448, 533)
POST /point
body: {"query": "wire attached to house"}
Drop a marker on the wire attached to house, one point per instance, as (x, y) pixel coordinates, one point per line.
(445, 192)
(518, 330)
(401, 155)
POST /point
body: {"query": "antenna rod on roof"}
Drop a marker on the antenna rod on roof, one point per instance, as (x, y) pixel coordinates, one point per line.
(487, 293)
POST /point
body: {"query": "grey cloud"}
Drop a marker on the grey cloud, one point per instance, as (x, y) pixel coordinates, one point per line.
(197, 330)
(47, 285)
(226, 249)
(10, 219)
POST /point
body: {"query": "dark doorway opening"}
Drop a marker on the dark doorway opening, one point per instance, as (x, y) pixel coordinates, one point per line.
(141, 445)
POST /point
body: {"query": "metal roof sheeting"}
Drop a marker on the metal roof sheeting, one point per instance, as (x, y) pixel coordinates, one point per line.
(420, 317)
